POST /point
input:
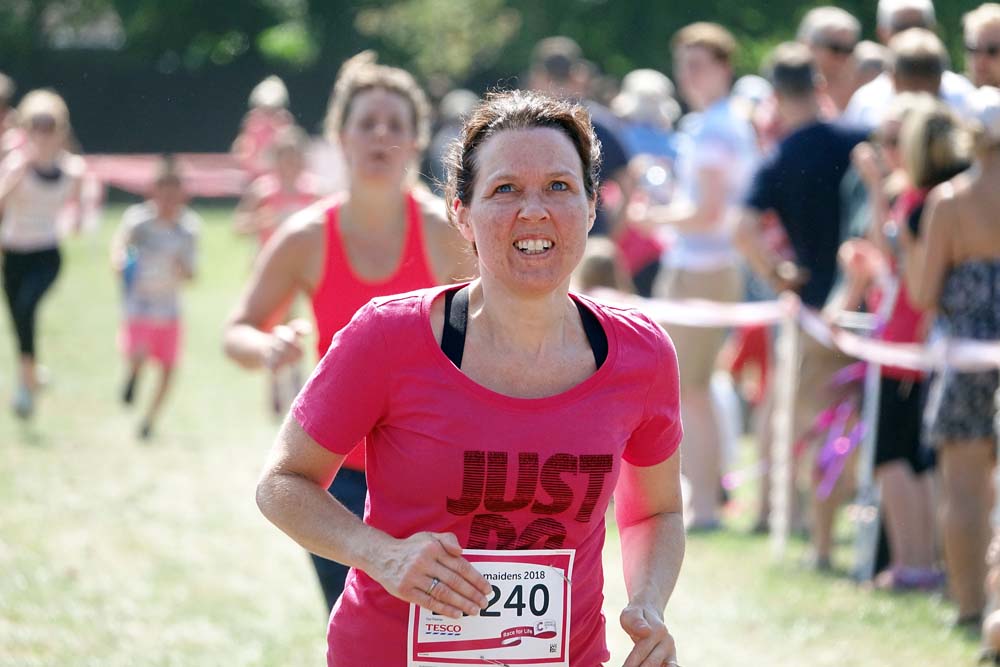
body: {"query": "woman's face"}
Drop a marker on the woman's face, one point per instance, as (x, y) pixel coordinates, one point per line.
(888, 140)
(529, 213)
(378, 136)
(701, 77)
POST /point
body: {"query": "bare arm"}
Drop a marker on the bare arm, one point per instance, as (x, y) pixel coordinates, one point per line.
(279, 273)
(926, 259)
(245, 218)
(292, 495)
(869, 166)
(119, 244)
(12, 172)
(648, 508)
(705, 216)
(780, 274)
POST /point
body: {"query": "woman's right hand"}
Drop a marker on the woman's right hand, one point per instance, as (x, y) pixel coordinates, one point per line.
(284, 348)
(409, 568)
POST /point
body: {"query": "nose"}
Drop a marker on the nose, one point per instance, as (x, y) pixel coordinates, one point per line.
(532, 207)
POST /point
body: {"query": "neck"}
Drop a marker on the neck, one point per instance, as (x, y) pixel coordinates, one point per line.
(800, 113)
(167, 213)
(46, 156)
(287, 181)
(529, 324)
(840, 91)
(375, 207)
(712, 100)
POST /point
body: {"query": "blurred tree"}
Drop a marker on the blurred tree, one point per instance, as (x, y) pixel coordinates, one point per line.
(444, 38)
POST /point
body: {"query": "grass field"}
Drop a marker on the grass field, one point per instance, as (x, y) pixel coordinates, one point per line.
(116, 553)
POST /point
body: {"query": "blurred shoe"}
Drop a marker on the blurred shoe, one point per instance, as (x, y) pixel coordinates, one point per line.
(128, 394)
(907, 579)
(145, 431)
(23, 403)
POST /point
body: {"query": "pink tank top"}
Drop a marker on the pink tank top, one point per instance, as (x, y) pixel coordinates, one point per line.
(341, 292)
(283, 202)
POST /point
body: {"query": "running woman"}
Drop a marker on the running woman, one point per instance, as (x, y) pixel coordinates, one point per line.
(382, 236)
(37, 181)
(269, 201)
(498, 416)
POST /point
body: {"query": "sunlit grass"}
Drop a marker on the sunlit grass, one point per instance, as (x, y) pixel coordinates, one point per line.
(116, 553)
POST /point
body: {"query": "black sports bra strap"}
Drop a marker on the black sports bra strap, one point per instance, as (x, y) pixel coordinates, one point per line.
(456, 322)
(595, 334)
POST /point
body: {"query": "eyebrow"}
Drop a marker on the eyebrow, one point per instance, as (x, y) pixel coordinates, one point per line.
(507, 176)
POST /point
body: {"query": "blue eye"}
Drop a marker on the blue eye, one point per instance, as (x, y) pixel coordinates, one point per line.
(506, 187)
(560, 186)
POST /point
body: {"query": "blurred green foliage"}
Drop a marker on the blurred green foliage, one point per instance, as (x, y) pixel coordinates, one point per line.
(448, 41)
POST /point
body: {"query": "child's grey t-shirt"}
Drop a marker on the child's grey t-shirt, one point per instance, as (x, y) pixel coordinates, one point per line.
(158, 252)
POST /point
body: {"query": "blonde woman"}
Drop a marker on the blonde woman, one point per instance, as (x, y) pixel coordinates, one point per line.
(36, 182)
(954, 266)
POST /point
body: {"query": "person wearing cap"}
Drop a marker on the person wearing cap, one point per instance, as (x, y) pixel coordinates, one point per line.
(154, 252)
(953, 265)
(894, 18)
(800, 182)
(37, 182)
(831, 34)
(981, 29)
(267, 115)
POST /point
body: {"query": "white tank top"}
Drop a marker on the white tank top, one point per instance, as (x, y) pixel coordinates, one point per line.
(30, 216)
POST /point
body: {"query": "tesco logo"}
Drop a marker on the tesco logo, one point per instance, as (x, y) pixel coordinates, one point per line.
(443, 627)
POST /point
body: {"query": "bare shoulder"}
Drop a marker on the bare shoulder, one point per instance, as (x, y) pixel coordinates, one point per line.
(432, 209)
(302, 235)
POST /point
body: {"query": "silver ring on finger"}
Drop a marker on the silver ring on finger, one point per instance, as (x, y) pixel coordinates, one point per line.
(434, 582)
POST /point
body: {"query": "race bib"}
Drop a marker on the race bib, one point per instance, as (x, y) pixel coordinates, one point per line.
(525, 623)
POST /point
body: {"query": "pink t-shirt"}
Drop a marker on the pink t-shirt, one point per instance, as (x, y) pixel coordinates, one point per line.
(447, 454)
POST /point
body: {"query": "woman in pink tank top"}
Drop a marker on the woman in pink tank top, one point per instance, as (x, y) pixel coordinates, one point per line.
(380, 237)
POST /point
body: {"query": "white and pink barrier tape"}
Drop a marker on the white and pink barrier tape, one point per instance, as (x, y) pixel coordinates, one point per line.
(962, 355)
(788, 312)
(205, 174)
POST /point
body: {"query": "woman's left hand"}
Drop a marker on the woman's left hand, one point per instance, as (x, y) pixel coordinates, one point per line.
(654, 647)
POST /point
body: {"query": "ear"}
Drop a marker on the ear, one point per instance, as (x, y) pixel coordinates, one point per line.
(461, 212)
(591, 212)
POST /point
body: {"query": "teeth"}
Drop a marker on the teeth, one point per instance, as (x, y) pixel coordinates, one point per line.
(533, 246)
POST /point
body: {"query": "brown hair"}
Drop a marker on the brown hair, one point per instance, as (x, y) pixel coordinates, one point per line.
(791, 69)
(711, 36)
(361, 73)
(519, 110)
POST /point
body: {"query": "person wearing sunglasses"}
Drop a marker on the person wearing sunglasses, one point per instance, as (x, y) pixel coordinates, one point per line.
(982, 44)
(831, 34)
(36, 182)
